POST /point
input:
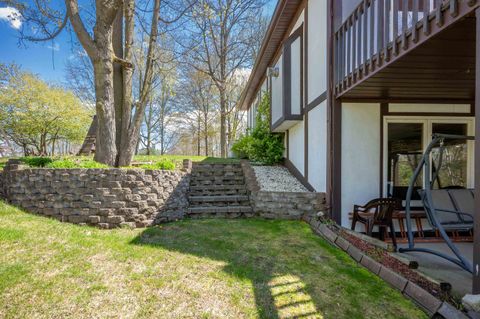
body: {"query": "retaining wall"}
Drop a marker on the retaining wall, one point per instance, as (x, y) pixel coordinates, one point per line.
(106, 198)
(281, 205)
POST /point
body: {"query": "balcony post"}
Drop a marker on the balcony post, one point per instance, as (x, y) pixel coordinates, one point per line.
(476, 239)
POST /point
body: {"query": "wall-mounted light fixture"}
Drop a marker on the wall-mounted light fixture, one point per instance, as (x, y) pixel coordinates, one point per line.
(273, 72)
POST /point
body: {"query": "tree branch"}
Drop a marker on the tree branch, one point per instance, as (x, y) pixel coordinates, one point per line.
(77, 23)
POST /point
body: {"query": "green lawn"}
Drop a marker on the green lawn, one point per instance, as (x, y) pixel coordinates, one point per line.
(177, 159)
(189, 269)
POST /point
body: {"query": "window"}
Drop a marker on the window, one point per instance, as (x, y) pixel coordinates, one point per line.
(405, 149)
(405, 140)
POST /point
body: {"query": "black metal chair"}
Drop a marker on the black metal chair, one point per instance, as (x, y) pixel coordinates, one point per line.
(377, 212)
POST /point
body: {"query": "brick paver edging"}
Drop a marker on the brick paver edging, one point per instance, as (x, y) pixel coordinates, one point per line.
(428, 302)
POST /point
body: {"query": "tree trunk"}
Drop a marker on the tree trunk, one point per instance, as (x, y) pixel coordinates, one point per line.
(105, 147)
(199, 129)
(130, 135)
(205, 124)
(117, 42)
(223, 131)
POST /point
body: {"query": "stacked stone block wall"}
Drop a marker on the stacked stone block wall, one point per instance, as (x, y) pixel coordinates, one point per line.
(281, 205)
(106, 198)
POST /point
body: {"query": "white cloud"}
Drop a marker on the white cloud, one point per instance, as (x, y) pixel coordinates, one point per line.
(55, 47)
(12, 16)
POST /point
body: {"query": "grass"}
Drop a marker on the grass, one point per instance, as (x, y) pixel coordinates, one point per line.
(148, 160)
(189, 269)
(3, 162)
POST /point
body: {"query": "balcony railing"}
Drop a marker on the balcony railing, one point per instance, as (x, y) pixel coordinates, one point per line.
(379, 31)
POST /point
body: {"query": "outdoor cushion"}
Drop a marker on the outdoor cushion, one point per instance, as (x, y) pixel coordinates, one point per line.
(453, 200)
(464, 201)
(442, 200)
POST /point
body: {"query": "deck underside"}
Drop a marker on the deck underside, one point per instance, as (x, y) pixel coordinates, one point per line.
(442, 68)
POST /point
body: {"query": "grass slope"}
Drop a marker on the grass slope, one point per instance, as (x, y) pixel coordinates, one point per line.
(188, 269)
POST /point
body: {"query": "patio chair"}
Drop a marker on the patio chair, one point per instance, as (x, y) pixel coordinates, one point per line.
(377, 212)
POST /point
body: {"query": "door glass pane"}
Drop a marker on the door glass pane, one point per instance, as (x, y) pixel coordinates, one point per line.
(453, 169)
(405, 147)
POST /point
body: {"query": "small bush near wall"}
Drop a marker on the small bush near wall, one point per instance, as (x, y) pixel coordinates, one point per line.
(261, 145)
(87, 162)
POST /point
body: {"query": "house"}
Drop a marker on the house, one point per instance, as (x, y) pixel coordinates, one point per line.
(358, 87)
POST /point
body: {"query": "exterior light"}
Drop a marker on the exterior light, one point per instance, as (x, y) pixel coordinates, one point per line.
(273, 72)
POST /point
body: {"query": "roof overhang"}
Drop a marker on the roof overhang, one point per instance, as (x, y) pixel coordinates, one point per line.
(279, 25)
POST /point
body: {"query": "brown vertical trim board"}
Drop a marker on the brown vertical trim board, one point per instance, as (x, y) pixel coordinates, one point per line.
(305, 147)
(383, 112)
(334, 114)
(287, 73)
(476, 232)
(305, 88)
(305, 54)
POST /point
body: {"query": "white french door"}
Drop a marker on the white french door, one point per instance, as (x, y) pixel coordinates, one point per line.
(405, 138)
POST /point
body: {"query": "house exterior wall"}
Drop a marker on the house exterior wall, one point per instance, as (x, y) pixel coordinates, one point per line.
(296, 77)
(317, 147)
(316, 68)
(299, 21)
(277, 92)
(360, 155)
(296, 143)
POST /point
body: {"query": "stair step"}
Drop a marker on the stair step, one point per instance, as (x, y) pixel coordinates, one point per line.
(218, 178)
(207, 192)
(219, 209)
(218, 187)
(207, 183)
(218, 198)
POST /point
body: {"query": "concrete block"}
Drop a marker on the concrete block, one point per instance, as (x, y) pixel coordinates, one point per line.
(393, 278)
(355, 253)
(371, 264)
(450, 312)
(422, 297)
(342, 243)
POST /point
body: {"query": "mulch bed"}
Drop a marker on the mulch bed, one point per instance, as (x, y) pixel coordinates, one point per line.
(382, 256)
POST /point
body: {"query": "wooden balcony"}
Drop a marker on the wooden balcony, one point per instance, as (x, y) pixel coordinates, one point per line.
(383, 33)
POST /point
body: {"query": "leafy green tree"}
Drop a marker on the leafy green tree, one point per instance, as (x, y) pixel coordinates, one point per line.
(36, 115)
(261, 145)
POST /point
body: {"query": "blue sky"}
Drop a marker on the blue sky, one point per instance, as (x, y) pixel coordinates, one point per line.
(46, 59)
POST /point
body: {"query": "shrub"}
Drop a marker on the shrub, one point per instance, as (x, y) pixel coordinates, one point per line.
(36, 161)
(261, 145)
(243, 147)
(92, 164)
(70, 163)
(164, 164)
(64, 163)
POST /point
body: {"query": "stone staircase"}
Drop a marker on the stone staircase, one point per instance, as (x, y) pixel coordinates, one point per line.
(218, 190)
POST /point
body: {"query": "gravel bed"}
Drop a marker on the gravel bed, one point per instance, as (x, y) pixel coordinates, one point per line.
(277, 179)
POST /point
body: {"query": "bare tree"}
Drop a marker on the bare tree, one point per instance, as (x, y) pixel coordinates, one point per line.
(221, 42)
(79, 76)
(200, 97)
(119, 116)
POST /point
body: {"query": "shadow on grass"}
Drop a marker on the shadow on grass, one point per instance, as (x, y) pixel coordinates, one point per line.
(294, 274)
